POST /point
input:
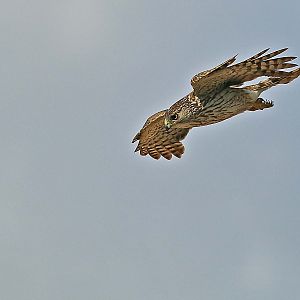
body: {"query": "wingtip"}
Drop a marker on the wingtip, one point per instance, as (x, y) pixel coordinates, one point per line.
(263, 52)
(281, 50)
(136, 137)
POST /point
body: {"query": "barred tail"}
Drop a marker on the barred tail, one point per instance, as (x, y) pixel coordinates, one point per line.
(286, 77)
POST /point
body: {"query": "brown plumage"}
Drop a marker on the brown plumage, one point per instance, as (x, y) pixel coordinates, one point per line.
(216, 96)
(156, 140)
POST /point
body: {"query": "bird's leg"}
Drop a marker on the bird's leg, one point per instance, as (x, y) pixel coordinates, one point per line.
(260, 104)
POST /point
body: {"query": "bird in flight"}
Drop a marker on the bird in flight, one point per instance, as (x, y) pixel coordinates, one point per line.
(217, 95)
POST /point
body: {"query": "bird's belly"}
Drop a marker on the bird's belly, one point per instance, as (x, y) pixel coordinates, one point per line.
(222, 108)
(215, 117)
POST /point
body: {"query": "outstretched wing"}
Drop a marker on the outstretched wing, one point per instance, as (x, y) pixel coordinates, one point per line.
(213, 81)
(156, 140)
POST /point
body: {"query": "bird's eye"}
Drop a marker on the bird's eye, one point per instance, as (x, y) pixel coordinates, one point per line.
(174, 117)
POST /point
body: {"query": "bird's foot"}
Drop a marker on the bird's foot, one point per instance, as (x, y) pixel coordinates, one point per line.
(261, 104)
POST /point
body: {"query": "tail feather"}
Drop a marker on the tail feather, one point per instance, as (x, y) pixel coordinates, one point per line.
(290, 77)
(286, 77)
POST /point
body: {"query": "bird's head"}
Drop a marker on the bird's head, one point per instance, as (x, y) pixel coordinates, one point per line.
(173, 118)
(178, 115)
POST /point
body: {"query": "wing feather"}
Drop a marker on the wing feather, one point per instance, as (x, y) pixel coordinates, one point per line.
(213, 81)
(156, 140)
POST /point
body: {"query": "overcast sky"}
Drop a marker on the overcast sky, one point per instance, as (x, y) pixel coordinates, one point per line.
(82, 216)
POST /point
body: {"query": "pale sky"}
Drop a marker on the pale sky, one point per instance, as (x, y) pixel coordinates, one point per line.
(82, 216)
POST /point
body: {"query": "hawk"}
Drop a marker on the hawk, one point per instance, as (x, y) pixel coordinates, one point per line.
(217, 95)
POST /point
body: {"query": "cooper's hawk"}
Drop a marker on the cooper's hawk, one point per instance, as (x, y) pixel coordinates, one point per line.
(216, 96)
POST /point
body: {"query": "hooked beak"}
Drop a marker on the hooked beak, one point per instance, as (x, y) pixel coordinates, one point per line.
(167, 124)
